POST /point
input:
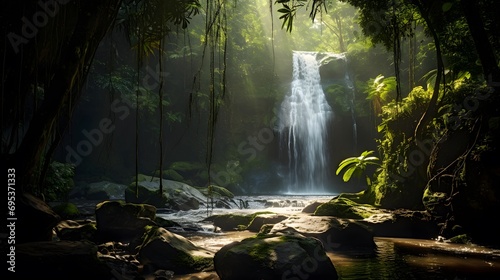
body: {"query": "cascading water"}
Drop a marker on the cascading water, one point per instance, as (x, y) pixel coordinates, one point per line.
(304, 116)
(304, 119)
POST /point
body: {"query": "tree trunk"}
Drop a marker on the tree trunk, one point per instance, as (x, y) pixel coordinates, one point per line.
(64, 82)
(479, 35)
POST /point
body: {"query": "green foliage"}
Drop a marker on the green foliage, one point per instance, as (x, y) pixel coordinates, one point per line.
(453, 80)
(288, 12)
(380, 91)
(146, 23)
(58, 181)
(355, 166)
(339, 99)
(461, 239)
(66, 210)
(123, 80)
(397, 176)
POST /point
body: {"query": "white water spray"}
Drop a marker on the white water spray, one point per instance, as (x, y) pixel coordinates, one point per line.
(304, 117)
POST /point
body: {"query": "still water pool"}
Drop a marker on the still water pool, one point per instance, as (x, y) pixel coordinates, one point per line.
(397, 258)
(394, 258)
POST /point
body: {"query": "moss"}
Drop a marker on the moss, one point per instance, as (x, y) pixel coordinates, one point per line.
(172, 175)
(432, 200)
(182, 262)
(343, 207)
(257, 214)
(261, 250)
(66, 210)
(461, 239)
(234, 221)
(241, 227)
(196, 262)
(263, 246)
(265, 229)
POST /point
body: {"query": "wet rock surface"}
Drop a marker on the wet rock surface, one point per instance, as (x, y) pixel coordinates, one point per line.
(274, 257)
(338, 234)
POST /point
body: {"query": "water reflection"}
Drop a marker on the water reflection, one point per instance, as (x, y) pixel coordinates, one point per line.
(417, 259)
(394, 259)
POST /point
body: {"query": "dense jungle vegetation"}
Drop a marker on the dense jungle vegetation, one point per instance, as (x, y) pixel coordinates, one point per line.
(180, 88)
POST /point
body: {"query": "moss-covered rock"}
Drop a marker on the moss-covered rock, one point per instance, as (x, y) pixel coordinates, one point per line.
(336, 234)
(165, 250)
(461, 239)
(76, 230)
(434, 202)
(66, 210)
(265, 229)
(259, 220)
(270, 257)
(403, 223)
(311, 208)
(343, 207)
(227, 222)
(146, 195)
(176, 195)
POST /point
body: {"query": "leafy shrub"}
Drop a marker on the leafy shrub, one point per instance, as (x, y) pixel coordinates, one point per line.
(58, 181)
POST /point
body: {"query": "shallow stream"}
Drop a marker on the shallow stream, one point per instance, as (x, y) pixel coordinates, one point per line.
(394, 258)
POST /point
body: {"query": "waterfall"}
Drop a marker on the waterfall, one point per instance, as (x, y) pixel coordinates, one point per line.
(303, 121)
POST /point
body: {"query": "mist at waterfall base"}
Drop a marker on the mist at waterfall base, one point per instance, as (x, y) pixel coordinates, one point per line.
(305, 125)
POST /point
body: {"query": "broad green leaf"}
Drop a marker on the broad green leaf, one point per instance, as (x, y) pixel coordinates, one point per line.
(447, 6)
(348, 174)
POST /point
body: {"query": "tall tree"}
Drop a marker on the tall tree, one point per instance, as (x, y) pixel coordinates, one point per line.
(46, 55)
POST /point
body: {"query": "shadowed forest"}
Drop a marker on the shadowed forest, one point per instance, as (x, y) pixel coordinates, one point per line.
(387, 110)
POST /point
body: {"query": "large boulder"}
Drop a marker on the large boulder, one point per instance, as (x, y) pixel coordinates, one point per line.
(311, 208)
(264, 219)
(402, 223)
(238, 221)
(228, 222)
(120, 221)
(273, 257)
(163, 249)
(344, 207)
(37, 221)
(59, 260)
(336, 234)
(176, 195)
(76, 230)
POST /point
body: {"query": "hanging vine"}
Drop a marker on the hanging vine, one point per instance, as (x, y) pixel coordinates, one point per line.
(214, 50)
